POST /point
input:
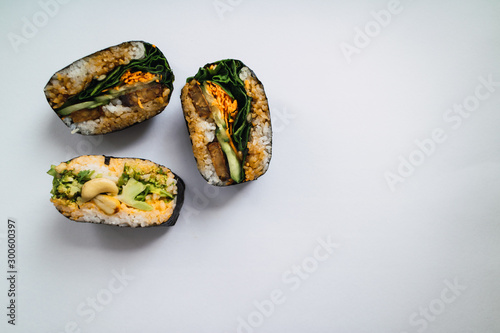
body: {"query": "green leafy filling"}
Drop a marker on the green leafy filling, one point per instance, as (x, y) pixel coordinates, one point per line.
(84, 176)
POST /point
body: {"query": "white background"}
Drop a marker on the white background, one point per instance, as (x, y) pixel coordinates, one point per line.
(419, 253)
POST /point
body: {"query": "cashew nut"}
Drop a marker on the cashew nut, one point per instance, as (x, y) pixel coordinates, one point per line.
(97, 186)
(110, 205)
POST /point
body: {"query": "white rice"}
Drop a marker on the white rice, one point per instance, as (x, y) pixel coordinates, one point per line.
(245, 73)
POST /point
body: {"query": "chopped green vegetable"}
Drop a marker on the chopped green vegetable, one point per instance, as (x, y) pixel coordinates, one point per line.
(160, 192)
(142, 196)
(52, 171)
(84, 176)
(129, 193)
(67, 185)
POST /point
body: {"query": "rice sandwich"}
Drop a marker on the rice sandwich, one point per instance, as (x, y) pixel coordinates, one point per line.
(126, 192)
(111, 89)
(229, 122)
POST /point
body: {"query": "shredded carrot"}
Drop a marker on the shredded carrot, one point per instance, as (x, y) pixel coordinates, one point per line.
(226, 103)
(131, 78)
(139, 102)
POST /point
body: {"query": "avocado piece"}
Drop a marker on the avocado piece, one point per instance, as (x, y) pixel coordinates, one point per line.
(129, 191)
(75, 107)
(232, 159)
